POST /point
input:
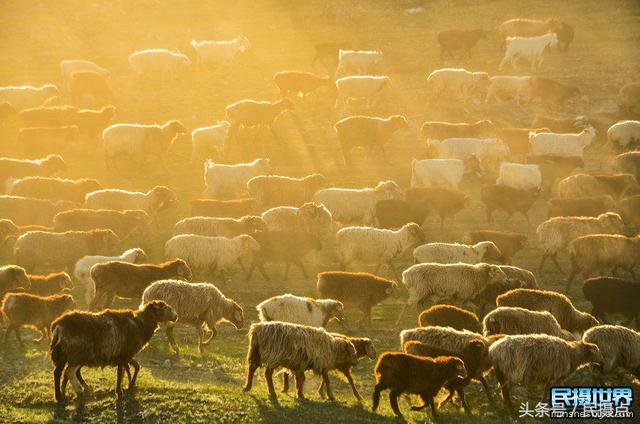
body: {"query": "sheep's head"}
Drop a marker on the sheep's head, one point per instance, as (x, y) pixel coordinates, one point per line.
(475, 351)
(159, 311)
(182, 270)
(141, 218)
(139, 256)
(163, 197)
(89, 185)
(486, 127)
(50, 90)
(16, 276)
(553, 40)
(64, 280)
(398, 122)
(345, 351)
(392, 290)
(285, 104)
(318, 181)
(7, 228)
(333, 309)
(253, 224)
(414, 233)
(389, 190)
(495, 274)
(248, 244)
(490, 251)
(584, 322)
(453, 367)
(232, 313)
(65, 302)
(54, 163)
(264, 165)
(612, 222)
(105, 241)
(587, 352)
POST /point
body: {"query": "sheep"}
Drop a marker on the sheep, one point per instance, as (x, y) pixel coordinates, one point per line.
(299, 83)
(83, 84)
(107, 338)
(123, 223)
(152, 202)
(13, 277)
(310, 217)
(580, 185)
(521, 27)
(557, 304)
(446, 203)
(552, 91)
(448, 253)
(206, 141)
(367, 132)
(628, 163)
(196, 304)
(253, 113)
(404, 373)
(446, 173)
(359, 290)
(555, 234)
(157, 61)
(620, 347)
(26, 96)
(450, 316)
(519, 175)
(67, 67)
(6, 110)
(123, 279)
(508, 86)
(47, 285)
(365, 87)
(508, 242)
(49, 188)
(459, 40)
(630, 210)
(236, 208)
(82, 268)
(283, 246)
(555, 144)
(489, 152)
(356, 205)
(47, 140)
(35, 311)
(28, 211)
(515, 320)
(526, 277)
(460, 82)
(275, 190)
(94, 122)
(221, 227)
(435, 130)
(517, 139)
(300, 310)
(47, 116)
(508, 199)
(210, 254)
(530, 48)
(628, 97)
(555, 168)
(297, 348)
(393, 213)
(376, 246)
(613, 295)
(221, 179)
(330, 51)
(358, 61)
(559, 125)
(624, 135)
(19, 168)
(220, 52)
(136, 142)
(537, 358)
(581, 206)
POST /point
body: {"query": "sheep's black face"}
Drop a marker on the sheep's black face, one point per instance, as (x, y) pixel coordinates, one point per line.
(161, 311)
(237, 316)
(184, 272)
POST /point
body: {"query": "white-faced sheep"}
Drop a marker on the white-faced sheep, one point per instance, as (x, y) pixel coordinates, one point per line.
(311, 217)
(529, 48)
(445, 173)
(365, 87)
(300, 310)
(275, 190)
(620, 348)
(160, 62)
(624, 135)
(26, 96)
(208, 141)
(54, 188)
(368, 132)
(220, 52)
(510, 320)
(520, 175)
(447, 253)
(220, 227)
(554, 144)
(152, 202)
(231, 180)
(461, 83)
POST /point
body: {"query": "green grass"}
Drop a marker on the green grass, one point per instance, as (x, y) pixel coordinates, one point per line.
(38, 34)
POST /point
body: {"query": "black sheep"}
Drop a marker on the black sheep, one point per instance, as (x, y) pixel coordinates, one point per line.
(614, 295)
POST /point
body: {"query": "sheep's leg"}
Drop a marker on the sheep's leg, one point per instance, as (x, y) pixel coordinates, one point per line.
(503, 62)
(393, 269)
(97, 296)
(58, 389)
(376, 395)
(172, 341)
(402, 312)
(485, 386)
(554, 259)
(304, 271)
(268, 375)
(214, 333)
(253, 366)
(198, 328)
(504, 387)
(543, 259)
(263, 272)
(300, 384)
(119, 380)
(285, 382)
(347, 373)
(83, 383)
(327, 383)
(16, 329)
(393, 400)
(6, 335)
(287, 265)
(70, 374)
(136, 369)
(434, 412)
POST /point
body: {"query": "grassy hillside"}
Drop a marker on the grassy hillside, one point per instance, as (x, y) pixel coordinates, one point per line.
(36, 35)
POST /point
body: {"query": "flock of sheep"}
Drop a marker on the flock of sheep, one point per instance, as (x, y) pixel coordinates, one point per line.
(250, 217)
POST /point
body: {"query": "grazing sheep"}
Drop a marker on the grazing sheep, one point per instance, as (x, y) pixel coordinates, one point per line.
(274, 190)
(461, 83)
(236, 208)
(299, 83)
(123, 223)
(508, 86)
(310, 217)
(450, 316)
(28, 211)
(581, 206)
(435, 130)
(517, 139)
(47, 140)
(368, 132)
(152, 202)
(207, 141)
(300, 310)
(520, 176)
(253, 113)
(553, 144)
(13, 277)
(367, 87)
(376, 246)
(551, 91)
(581, 185)
(628, 163)
(83, 84)
(221, 227)
(488, 152)
(329, 51)
(353, 62)
(221, 179)
(47, 116)
(359, 290)
(67, 67)
(530, 48)
(220, 52)
(123, 279)
(196, 304)
(348, 205)
(624, 135)
(508, 199)
(107, 338)
(459, 40)
(508, 242)
(620, 348)
(510, 320)
(446, 203)
(19, 168)
(558, 304)
(394, 213)
(555, 234)
(448, 253)
(613, 295)
(26, 96)
(34, 311)
(49, 188)
(159, 62)
(47, 285)
(628, 97)
(446, 173)
(94, 122)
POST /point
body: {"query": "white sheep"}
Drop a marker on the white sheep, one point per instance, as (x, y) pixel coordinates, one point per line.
(26, 96)
(519, 175)
(358, 61)
(300, 310)
(624, 135)
(488, 151)
(360, 87)
(445, 173)
(460, 82)
(207, 140)
(530, 48)
(219, 227)
(620, 348)
(503, 86)
(564, 145)
(221, 179)
(158, 61)
(311, 218)
(83, 266)
(450, 253)
(356, 205)
(67, 67)
(516, 320)
(220, 52)
(151, 202)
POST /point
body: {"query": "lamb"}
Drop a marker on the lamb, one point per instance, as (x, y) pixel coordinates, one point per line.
(253, 113)
(613, 295)
(152, 202)
(47, 285)
(555, 234)
(526, 277)
(508, 242)
(26, 96)
(47, 140)
(552, 91)
(489, 152)
(592, 206)
(367, 132)
(530, 48)
(311, 217)
(356, 205)
(123, 279)
(538, 359)
(446, 173)
(624, 135)
(365, 87)
(580, 185)
(459, 40)
(393, 213)
(300, 310)
(67, 67)
(450, 316)
(460, 82)
(434, 130)
(297, 348)
(628, 163)
(220, 52)
(376, 246)
(557, 304)
(628, 97)
(353, 62)
(299, 83)
(158, 61)
(123, 223)
(137, 142)
(446, 203)
(517, 139)
(196, 304)
(82, 268)
(107, 338)
(548, 143)
(35, 311)
(28, 211)
(6, 110)
(47, 116)
(206, 141)
(94, 122)
(236, 208)
(13, 277)
(19, 168)
(215, 255)
(620, 348)
(62, 250)
(54, 189)
(274, 190)
(89, 84)
(404, 373)
(630, 210)
(329, 51)
(508, 199)
(510, 320)
(359, 290)
(448, 253)
(221, 227)
(520, 176)
(508, 86)
(221, 179)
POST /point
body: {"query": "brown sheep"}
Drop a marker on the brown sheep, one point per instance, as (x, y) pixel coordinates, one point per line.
(252, 113)
(450, 316)
(123, 223)
(509, 243)
(43, 140)
(434, 130)
(394, 213)
(18, 168)
(282, 246)
(459, 40)
(47, 116)
(580, 206)
(630, 210)
(629, 98)
(28, 211)
(93, 122)
(223, 208)
(551, 91)
(47, 285)
(555, 168)
(508, 199)
(446, 203)
(13, 277)
(51, 188)
(89, 83)
(368, 132)
(299, 83)
(517, 139)
(329, 51)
